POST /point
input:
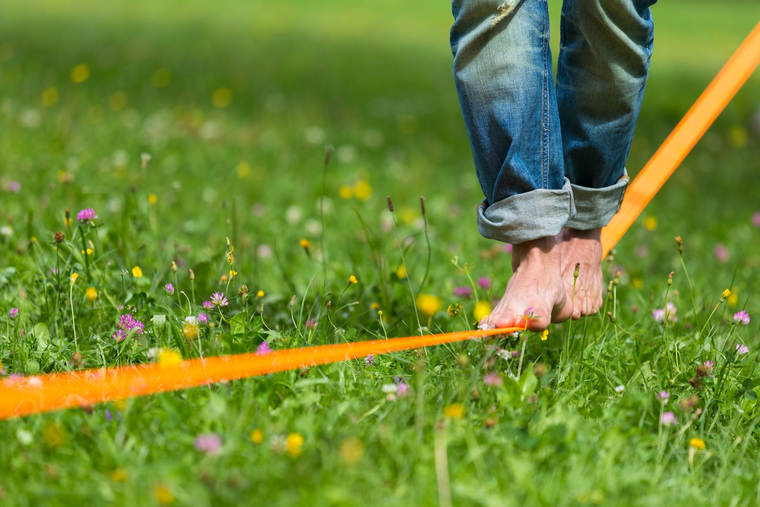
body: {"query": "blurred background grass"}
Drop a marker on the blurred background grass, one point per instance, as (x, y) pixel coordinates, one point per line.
(372, 78)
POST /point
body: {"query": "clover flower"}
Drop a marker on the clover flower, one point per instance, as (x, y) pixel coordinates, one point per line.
(741, 349)
(169, 288)
(463, 292)
(202, 319)
(311, 324)
(721, 253)
(403, 389)
(218, 299)
(13, 313)
(668, 418)
(210, 443)
(663, 395)
(127, 324)
(208, 305)
(670, 310)
(370, 360)
(484, 282)
(493, 379)
(263, 349)
(13, 186)
(742, 317)
(87, 215)
(709, 365)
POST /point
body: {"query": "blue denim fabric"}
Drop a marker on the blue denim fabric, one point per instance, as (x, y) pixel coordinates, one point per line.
(550, 156)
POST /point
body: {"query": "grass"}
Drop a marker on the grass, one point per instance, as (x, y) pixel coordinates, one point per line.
(373, 80)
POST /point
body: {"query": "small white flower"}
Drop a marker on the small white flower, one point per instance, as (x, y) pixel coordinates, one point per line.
(619, 389)
(293, 214)
(191, 319)
(154, 352)
(6, 230)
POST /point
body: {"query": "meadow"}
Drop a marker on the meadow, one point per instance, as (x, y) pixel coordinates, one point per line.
(197, 133)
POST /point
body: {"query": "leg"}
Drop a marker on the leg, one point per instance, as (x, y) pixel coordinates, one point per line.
(502, 70)
(603, 67)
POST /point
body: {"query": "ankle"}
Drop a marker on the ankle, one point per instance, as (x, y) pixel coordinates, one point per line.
(536, 248)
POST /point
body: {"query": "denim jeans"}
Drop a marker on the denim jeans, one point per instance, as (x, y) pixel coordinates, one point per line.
(550, 155)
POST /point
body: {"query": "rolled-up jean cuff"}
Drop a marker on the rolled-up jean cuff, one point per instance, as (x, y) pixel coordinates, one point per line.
(595, 207)
(525, 217)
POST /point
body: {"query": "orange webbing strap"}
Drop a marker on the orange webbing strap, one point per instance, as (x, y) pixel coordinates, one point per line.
(683, 138)
(31, 395)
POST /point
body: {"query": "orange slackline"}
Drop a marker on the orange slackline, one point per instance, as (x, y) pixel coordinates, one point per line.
(32, 395)
(683, 138)
(44, 393)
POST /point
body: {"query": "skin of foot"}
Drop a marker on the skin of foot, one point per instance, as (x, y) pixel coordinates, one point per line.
(584, 248)
(536, 287)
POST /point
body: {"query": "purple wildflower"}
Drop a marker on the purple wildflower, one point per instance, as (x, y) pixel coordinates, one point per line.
(507, 248)
(756, 219)
(709, 365)
(463, 292)
(403, 389)
(86, 215)
(668, 418)
(13, 313)
(169, 288)
(663, 395)
(670, 310)
(263, 349)
(218, 299)
(515, 353)
(109, 417)
(741, 349)
(484, 282)
(311, 324)
(210, 443)
(208, 305)
(370, 360)
(13, 186)
(202, 318)
(742, 317)
(721, 253)
(119, 335)
(127, 324)
(493, 379)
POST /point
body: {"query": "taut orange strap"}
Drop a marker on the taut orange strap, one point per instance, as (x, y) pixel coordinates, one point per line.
(31, 395)
(683, 138)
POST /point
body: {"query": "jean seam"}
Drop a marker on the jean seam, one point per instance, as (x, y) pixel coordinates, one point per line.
(545, 102)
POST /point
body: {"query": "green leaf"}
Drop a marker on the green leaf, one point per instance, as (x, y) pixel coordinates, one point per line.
(750, 394)
(42, 334)
(238, 323)
(32, 367)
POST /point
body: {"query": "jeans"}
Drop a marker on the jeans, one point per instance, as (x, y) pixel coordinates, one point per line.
(550, 155)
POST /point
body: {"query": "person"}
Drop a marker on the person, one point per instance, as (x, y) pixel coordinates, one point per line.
(550, 156)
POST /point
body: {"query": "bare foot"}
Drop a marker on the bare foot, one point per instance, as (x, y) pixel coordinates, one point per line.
(584, 248)
(535, 287)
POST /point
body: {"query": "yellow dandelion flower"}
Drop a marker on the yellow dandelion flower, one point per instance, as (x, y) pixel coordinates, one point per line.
(351, 451)
(243, 170)
(482, 309)
(80, 73)
(428, 304)
(221, 97)
(726, 294)
(33, 239)
(375, 306)
(362, 190)
(733, 300)
(544, 335)
(260, 294)
(650, 223)
(89, 251)
(74, 277)
(190, 330)
(91, 293)
(294, 444)
(454, 411)
(169, 358)
(136, 272)
(401, 272)
(152, 198)
(118, 475)
(345, 192)
(164, 496)
(50, 96)
(304, 243)
(257, 436)
(352, 279)
(54, 435)
(697, 443)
